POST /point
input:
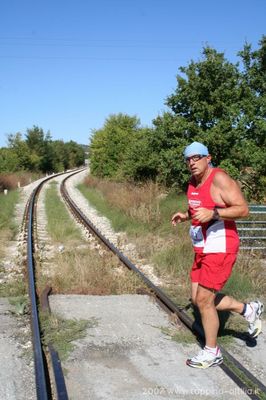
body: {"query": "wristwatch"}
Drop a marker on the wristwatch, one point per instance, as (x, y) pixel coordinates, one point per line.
(216, 215)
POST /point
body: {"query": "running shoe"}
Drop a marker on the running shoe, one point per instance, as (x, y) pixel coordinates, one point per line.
(253, 318)
(206, 359)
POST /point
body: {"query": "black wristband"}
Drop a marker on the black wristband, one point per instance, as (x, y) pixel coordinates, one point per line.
(216, 215)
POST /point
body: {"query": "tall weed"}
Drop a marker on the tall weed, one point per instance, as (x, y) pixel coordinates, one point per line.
(8, 228)
(140, 202)
(14, 180)
(86, 272)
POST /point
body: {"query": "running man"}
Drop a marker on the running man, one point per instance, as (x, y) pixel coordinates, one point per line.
(214, 202)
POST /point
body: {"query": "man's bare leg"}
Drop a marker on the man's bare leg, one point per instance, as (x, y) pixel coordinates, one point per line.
(226, 303)
(210, 321)
(194, 289)
(222, 302)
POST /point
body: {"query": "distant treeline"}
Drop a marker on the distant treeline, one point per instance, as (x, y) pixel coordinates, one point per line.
(39, 153)
(216, 102)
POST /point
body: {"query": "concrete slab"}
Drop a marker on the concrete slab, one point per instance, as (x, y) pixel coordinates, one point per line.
(16, 372)
(126, 356)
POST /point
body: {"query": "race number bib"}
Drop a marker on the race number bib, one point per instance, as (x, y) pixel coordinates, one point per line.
(196, 236)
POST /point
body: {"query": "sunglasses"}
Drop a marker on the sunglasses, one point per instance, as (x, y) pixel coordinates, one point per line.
(194, 158)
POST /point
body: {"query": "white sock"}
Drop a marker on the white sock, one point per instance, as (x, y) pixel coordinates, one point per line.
(211, 349)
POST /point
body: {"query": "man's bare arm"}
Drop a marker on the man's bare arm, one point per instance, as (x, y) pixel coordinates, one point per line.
(232, 197)
(227, 192)
(180, 217)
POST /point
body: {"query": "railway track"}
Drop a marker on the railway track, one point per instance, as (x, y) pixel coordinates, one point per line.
(47, 371)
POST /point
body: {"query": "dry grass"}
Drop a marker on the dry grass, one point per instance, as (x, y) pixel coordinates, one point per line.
(140, 202)
(248, 278)
(14, 180)
(6, 235)
(8, 227)
(86, 272)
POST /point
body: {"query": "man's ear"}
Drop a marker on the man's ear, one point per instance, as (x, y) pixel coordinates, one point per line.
(209, 160)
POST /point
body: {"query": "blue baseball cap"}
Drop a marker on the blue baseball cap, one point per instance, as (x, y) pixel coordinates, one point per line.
(196, 148)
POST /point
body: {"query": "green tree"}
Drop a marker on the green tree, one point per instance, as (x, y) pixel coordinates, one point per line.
(109, 145)
(38, 152)
(9, 161)
(140, 162)
(99, 160)
(251, 151)
(208, 101)
(60, 156)
(22, 151)
(216, 102)
(75, 154)
(40, 145)
(223, 106)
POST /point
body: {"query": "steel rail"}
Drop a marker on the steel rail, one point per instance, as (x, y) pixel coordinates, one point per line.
(42, 384)
(252, 237)
(235, 370)
(251, 229)
(42, 378)
(59, 380)
(252, 222)
(252, 248)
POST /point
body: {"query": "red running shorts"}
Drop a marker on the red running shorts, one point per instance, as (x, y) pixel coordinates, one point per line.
(212, 270)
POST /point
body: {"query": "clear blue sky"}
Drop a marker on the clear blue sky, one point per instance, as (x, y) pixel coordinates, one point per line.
(66, 65)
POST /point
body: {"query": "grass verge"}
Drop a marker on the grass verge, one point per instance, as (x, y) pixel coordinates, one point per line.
(8, 228)
(14, 286)
(60, 226)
